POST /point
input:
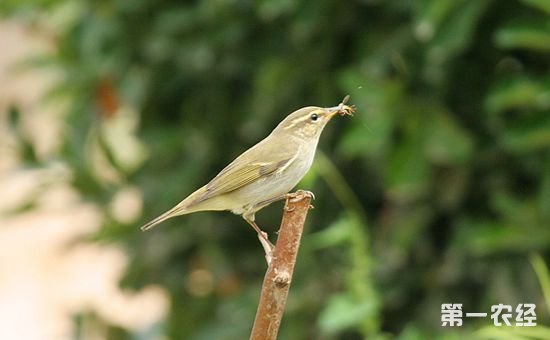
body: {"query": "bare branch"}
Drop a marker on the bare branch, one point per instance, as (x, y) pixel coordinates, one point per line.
(279, 274)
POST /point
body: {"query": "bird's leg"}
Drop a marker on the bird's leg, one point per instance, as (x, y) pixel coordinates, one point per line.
(262, 236)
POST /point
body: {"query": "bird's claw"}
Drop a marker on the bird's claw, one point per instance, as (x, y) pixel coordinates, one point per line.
(299, 195)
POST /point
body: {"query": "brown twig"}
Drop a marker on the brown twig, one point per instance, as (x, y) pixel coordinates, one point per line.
(279, 274)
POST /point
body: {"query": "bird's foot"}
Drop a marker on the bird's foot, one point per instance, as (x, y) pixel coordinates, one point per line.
(300, 194)
(296, 196)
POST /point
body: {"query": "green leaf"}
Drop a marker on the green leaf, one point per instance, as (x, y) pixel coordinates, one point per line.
(270, 10)
(519, 92)
(408, 172)
(514, 333)
(543, 275)
(544, 196)
(456, 33)
(447, 142)
(486, 237)
(543, 5)
(336, 234)
(530, 35)
(529, 134)
(344, 311)
(430, 15)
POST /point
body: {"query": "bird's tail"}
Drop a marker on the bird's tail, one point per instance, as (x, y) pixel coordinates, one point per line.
(187, 206)
(175, 211)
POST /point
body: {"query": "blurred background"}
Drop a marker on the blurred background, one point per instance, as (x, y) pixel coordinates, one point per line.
(436, 191)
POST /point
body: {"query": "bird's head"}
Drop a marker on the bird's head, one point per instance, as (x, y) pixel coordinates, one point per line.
(309, 121)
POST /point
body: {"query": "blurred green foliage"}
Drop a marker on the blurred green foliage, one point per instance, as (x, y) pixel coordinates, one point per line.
(436, 191)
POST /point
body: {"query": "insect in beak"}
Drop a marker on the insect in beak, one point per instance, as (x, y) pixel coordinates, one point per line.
(342, 109)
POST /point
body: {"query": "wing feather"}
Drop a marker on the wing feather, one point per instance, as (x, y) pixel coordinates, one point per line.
(236, 176)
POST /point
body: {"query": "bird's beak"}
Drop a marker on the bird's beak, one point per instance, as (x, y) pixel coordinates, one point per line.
(340, 109)
(333, 111)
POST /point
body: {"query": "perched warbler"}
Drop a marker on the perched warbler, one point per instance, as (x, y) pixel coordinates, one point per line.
(265, 173)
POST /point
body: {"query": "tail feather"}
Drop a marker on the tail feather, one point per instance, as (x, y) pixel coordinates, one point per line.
(188, 205)
(175, 211)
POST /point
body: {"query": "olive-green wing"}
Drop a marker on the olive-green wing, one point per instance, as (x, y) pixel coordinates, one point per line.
(236, 175)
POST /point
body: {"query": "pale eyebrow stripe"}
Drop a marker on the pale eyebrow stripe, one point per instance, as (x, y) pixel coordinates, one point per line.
(300, 120)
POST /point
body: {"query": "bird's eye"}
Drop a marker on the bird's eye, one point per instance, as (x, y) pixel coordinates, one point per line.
(314, 117)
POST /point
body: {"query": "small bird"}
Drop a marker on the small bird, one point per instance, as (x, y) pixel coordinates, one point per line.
(265, 173)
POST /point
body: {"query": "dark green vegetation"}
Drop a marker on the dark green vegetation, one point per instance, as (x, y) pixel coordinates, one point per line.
(436, 191)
